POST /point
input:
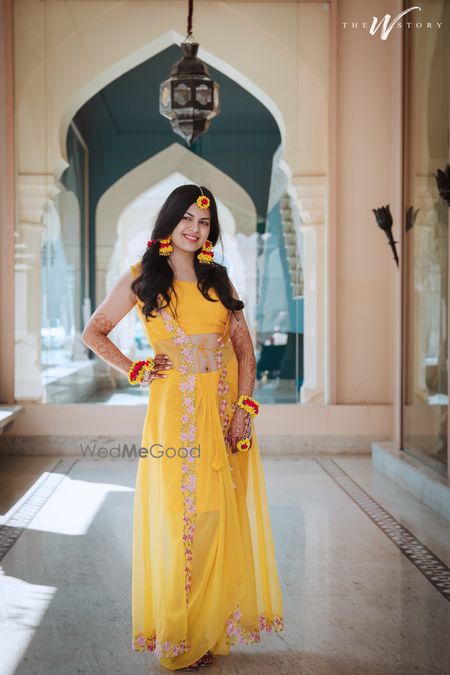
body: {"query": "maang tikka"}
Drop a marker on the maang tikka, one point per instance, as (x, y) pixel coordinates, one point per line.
(202, 201)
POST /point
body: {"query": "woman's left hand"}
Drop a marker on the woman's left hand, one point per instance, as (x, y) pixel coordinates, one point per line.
(236, 430)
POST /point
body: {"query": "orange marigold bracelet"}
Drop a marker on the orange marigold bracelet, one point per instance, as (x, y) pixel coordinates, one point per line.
(137, 369)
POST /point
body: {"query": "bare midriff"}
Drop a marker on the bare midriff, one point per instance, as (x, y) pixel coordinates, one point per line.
(204, 352)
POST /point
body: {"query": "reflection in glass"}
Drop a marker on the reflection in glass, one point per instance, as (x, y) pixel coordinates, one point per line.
(280, 308)
(64, 362)
(426, 244)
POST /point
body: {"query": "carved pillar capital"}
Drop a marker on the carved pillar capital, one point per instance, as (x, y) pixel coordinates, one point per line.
(36, 192)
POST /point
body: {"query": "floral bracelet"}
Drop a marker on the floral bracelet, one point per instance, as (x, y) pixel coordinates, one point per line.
(137, 369)
(245, 443)
(248, 404)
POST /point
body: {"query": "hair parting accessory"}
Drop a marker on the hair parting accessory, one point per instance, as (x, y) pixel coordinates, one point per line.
(206, 254)
(203, 201)
(137, 369)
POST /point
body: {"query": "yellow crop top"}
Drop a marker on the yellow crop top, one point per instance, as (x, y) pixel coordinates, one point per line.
(195, 314)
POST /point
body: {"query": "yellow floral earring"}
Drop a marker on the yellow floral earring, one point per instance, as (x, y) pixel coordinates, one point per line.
(165, 246)
(206, 254)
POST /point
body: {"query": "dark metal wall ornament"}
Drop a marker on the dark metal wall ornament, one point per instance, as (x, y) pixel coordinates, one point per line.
(189, 98)
(443, 183)
(384, 219)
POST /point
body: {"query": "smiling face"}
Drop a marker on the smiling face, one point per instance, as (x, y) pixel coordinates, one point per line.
(193, 229)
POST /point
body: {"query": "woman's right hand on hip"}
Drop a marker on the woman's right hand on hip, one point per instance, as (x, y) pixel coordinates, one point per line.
(162, 363)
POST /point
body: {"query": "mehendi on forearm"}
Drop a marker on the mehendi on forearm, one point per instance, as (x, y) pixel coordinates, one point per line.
(243, 348)
(95, 337)
(245, 354)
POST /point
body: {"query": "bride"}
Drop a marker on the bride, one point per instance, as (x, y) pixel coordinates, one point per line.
(204, 573)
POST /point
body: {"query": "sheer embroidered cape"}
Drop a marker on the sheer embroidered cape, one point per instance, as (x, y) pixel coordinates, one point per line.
(204, 573)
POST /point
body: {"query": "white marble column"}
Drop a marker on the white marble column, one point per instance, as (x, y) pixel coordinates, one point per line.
(35, 193)
(248, 248)
(311, 200)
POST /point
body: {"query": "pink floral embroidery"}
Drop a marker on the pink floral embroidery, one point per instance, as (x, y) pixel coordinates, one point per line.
(141, 643)
(223, 391)
(236, 633)
(223, 386)
(187, 435)
(190, 483)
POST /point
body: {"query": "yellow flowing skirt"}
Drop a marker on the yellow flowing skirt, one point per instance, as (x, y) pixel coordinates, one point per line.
(203, 570)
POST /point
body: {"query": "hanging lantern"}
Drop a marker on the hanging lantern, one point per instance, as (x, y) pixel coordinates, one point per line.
(189, 97)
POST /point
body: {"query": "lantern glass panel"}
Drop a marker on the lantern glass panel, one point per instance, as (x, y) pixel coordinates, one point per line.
(203, 94)
(165, 96)
(181, 94)
(216, 97)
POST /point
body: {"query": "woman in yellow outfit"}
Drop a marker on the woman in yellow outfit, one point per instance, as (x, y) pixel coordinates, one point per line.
(204, 574)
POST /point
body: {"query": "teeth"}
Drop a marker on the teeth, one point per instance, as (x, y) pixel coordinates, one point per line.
(191, 238)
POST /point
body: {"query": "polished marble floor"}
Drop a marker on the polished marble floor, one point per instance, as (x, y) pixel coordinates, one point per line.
(363, 567)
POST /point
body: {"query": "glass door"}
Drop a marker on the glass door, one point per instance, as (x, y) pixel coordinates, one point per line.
(425, 250)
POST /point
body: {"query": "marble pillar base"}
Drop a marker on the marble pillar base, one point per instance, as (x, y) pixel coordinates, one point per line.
(419, 480)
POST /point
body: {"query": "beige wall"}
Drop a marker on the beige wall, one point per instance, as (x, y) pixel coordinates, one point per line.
(283, 429)
(368, 175)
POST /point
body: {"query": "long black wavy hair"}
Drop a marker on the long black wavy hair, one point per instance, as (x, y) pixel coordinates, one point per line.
(156, 274)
